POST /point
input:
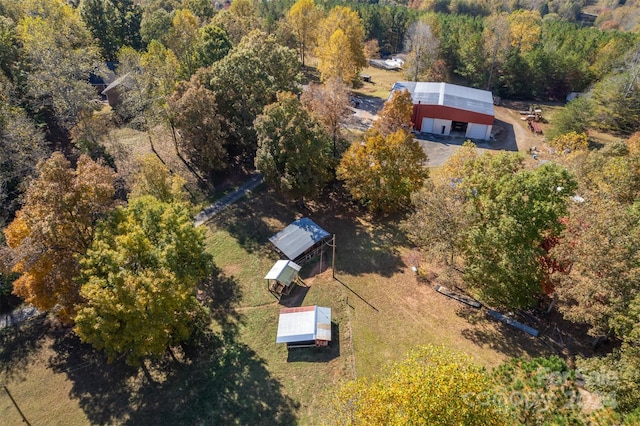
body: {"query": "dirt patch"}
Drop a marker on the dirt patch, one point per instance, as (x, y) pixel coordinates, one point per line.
(363, 112)
(520, 135)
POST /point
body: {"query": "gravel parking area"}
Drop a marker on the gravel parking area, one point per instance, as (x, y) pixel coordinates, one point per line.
(508, 131)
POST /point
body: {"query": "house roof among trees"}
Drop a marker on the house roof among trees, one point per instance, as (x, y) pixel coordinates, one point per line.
(103, 75)
(124, 80)
(449, 95)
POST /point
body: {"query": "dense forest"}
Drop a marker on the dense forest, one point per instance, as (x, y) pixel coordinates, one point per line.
(174, 54)
(265, 85)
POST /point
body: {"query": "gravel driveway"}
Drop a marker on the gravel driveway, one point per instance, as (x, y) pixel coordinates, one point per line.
(509, 133)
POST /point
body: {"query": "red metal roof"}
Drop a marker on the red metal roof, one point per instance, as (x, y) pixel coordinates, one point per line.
(297, 309)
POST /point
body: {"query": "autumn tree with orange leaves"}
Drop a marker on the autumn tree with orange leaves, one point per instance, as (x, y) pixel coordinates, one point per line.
(389, 165)
(54, 227)
(396, 113)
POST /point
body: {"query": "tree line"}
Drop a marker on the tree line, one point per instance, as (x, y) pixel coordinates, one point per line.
(232, 63)
(563, 233)
(438, 386)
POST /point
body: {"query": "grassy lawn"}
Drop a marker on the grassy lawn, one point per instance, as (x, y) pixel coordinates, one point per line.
(26, 369)
(380, 310)
(381, 82)
(604, 138)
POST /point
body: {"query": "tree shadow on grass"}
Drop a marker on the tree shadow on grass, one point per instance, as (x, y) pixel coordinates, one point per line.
(245, 220)
(368, 248)
(103, 390)
(365, 244)
(223, 382)
(472, 315)
(19, 342)
(489, 333)
(212, 379)
(220, 294)
(226, 384)
(295, 298)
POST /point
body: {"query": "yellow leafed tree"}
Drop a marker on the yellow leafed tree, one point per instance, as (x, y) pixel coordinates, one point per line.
(304, 17)
(382, 172)
(571, 141)
(340, 48)
(457, 165)
(337, 63)
(525, 29)
(433, 386)
(634, 143)
(139, 278)
(182, 40)
(154, 178)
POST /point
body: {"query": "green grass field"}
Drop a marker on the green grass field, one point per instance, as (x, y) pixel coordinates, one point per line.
(240, 376)
(380, 309)
(381, 82)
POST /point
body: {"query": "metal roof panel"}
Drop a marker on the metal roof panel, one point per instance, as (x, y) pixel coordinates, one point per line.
(304, 324)
(323, 323)
(298, 237)
(284, 271)
(450, 95)
(296, 327)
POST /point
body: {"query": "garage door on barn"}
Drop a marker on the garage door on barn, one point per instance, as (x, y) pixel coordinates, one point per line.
(427, 125)
(437, 106)
(436, 126)
(478, 131)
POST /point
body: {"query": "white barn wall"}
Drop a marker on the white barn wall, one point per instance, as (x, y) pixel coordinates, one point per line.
(427, 125)
(438, 124)
(487, 135)
(478, 131)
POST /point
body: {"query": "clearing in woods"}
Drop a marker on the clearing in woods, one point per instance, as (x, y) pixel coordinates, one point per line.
(380, 310)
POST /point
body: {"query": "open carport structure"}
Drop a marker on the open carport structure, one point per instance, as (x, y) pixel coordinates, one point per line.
(449, 109)
(301, 241)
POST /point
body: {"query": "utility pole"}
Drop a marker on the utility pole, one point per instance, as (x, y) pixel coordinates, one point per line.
(333, 258)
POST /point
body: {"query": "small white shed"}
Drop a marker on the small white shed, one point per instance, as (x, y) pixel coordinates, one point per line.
(305, 326)
(282, 276)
